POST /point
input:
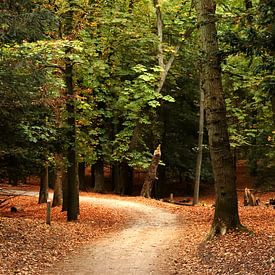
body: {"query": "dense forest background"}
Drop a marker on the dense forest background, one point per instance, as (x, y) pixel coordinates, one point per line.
(81, 86)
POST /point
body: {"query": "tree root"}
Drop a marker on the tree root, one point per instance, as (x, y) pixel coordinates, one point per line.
(221, 229)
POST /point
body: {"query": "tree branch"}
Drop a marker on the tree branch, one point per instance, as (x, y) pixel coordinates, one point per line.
(168, 65)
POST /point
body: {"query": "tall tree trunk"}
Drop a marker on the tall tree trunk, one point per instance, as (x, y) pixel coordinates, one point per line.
(199, 156)
(226, 207)
(151, 174)
(57, 195)
(73, 192)
(73, 188)
(44, 184)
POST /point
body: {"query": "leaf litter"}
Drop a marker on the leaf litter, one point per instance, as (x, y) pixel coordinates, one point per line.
(29, 246)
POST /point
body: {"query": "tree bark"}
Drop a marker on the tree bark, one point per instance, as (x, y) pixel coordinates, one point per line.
(73, 192)
(122, 178)
(92, 182)
(199, 156)
(98, 168)
(44, 184)
(81, 176)
(226, 206)
(57, 195)
(151, 174)
(160, 33)
(65, 191)
(73, 188)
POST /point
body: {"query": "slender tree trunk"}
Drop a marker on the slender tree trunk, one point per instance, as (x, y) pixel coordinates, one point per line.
(151, 174)
(73, 192)
(199, 156)
(73, 188)
(226, 207)
(64, 191)
(57, 195)
(160, 33)
(44, 185)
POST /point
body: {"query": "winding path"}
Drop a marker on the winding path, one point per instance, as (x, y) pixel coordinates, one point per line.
(134, 250)
(139, 248)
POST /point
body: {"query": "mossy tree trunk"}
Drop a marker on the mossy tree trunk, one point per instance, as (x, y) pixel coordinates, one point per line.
(226, 207)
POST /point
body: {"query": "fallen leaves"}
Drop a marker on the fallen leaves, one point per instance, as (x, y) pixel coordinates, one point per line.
(29, 246)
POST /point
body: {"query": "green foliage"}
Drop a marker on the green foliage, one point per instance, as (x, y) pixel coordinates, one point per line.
(247, 48)
(113, 47)
(25, 20)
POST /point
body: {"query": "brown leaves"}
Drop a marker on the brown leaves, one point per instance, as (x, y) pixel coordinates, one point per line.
(29, 246)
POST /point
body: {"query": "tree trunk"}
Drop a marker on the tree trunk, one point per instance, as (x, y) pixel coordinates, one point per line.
(73, 188)
(92, 182)
(73, 193)
(44, 183)
(151, 174)
(81, 176)
(122, 178)
(199, 156)
(160, 190)
(57, 195)
(98, 168)
(226, 206)
(65, 191)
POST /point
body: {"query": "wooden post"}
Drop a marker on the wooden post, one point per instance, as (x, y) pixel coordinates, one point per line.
(48, 216)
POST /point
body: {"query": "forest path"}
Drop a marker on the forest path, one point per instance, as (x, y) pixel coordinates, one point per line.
(136, 249)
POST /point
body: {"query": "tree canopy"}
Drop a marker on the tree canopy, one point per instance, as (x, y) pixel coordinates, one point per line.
(105, 82)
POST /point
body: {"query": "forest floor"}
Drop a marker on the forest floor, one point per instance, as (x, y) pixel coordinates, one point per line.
(133, 235)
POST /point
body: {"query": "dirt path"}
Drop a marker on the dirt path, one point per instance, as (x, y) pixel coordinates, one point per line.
(157, 239)
(137, 249)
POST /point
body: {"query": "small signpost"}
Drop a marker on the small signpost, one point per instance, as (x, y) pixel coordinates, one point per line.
(48, 215)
